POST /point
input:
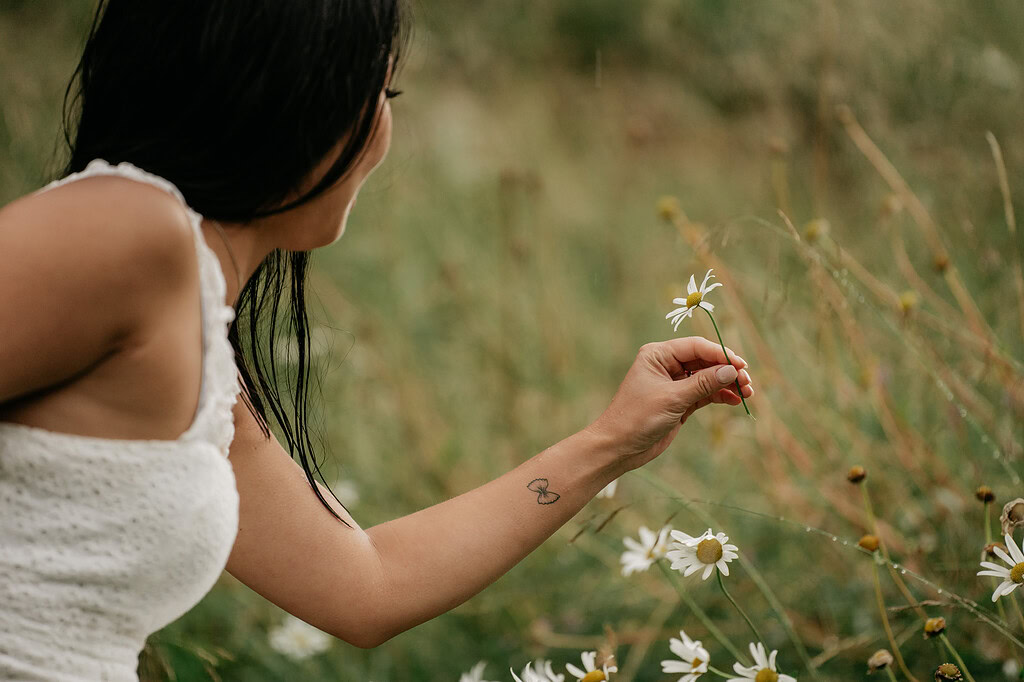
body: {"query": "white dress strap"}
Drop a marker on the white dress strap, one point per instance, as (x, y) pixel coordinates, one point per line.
(219, 385)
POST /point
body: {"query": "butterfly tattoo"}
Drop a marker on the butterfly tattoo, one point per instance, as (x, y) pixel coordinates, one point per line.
(540, 486)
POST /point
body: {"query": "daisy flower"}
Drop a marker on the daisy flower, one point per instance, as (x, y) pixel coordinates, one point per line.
(641, 555)
(475, 674)
(694, 658)
(608, 490)
(298, 639)
(1013, 576)
(691, 554)
(544, 673)
(590, 673)
(694, 299)
(763, 669)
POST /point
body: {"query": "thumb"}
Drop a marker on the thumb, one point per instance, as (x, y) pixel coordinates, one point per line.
(705, 383)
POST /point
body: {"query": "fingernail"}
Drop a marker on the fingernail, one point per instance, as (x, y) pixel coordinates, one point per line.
(726, 374)
(746, 377)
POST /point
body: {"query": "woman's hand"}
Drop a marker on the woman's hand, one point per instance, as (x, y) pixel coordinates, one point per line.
(667, 383)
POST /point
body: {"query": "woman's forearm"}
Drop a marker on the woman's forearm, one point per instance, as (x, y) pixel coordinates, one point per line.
(437, 558)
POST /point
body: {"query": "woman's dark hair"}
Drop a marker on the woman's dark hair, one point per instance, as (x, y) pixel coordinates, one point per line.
(236, 102)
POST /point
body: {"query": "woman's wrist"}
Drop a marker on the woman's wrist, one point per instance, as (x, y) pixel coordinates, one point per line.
(599, 449)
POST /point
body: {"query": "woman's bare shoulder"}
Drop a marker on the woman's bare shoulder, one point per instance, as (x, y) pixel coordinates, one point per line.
(84, 266)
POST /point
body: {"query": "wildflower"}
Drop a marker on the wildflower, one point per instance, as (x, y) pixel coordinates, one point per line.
(763, 669)
(544, 673)
(641, 555)
(694, 299)
(691, 554)
(869, 542)
(668, 208)
(984, 494)
(1012, 516)
(1013, 576)
(879, 660)
(608, 490)
(590, 673)
(694, 658)
(298, 639)
(933, 627)
(475, 674)
(856, 474)
(947, 672)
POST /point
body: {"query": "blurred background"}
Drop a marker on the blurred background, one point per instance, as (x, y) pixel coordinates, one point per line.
(558, 171)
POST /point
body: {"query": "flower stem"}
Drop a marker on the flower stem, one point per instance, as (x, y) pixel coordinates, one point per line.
(960, 661)
(701, 615)
(721, 583)
(892, 675)
(739, 390)
(713, 669)
(885, 625)
(995, 581)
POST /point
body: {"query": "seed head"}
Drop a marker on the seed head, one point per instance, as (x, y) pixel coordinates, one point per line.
(879, 660)
(941, 263)
(1012, 516)
(984, 494)
(668, 208)
(947, 672)
(933, 627)
(869, 542)
(857, 474)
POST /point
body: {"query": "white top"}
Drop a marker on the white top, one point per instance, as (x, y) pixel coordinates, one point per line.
(104, 541)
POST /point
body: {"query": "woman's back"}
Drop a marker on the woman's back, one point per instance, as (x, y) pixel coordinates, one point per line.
(112, 528)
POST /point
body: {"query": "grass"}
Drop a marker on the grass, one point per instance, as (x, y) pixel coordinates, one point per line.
(504, 265)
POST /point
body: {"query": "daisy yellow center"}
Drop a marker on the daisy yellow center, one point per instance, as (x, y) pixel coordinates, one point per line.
(694, 298)
(766, 675)
(1017, 573)
(594, 676)
(709, 551)
(696, 663)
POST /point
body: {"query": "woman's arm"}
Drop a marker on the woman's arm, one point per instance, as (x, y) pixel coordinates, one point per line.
(367, 586)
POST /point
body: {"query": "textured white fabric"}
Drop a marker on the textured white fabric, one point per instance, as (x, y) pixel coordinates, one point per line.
(104, 541)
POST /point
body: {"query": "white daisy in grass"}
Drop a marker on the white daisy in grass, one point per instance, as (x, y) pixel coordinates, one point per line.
(694, 658)
(1013, 576)
(694, 299)
(641, 555)
(475, 674)
(590, 673)
(705, 552)
(543, 673)
(298, 639)
(763, 669)
(608, 490)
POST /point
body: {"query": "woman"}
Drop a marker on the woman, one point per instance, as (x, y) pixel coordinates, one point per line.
(212, 146)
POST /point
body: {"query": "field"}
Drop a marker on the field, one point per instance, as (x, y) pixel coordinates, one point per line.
(850, 172)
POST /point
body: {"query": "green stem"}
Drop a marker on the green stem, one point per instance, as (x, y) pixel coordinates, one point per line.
(701, 615)
(718, 672)
(885, 624)
(728, 361)
(960, 661)
(892, 675)
(988, 527)
(721, 583)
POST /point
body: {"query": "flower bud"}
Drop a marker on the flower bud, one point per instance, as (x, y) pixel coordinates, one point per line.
(908, 301)
(668, 208)
(869, 542)
(984, 494)
(857, 474)
(879, 660)
(941, 263)
(815, 229)
(989, 551)
(947, 672)
(933, 627)
(891, 206)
